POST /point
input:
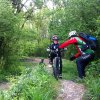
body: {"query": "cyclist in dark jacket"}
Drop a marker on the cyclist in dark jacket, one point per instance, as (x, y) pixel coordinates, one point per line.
(82, 57)
(52, 55)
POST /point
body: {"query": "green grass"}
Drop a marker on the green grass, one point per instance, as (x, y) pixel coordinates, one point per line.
(92, 81)
(69, 71)
(11, 74)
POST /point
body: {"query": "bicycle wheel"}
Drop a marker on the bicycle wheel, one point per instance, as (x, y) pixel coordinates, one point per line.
(56, 67)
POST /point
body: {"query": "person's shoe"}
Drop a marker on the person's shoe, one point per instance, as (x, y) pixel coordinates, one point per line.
(79, 79)
(60, 76)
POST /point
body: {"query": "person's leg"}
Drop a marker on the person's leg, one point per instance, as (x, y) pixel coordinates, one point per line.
(51, 56)
(82, 62)
(79, 67)
(86, 59)
(84, 66)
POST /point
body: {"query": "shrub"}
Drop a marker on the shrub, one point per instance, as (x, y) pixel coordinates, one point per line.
(9, 34)
(92, 81)
(34, 84)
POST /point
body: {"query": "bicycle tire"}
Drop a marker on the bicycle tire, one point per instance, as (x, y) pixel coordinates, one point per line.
(56, 67)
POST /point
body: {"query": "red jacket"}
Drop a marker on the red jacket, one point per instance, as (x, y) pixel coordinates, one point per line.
(69, 42)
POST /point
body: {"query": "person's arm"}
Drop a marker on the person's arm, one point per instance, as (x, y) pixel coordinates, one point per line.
(68, 42)
(78, 53)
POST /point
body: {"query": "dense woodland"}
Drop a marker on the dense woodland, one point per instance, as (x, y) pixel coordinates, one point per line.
(27, 31)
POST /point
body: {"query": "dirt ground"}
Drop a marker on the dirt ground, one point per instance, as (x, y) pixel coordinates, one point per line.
(4, 86)
(70, 90)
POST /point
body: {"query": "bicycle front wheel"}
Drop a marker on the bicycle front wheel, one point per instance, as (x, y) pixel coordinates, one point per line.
(56, 67)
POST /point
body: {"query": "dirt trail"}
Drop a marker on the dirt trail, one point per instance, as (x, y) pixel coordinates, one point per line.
(68, 90)
(4, 86)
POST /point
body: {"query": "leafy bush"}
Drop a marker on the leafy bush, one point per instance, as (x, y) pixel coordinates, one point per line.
(34, 84)
(9, 34)
(92, 81)
(32, 48)
(40, 50)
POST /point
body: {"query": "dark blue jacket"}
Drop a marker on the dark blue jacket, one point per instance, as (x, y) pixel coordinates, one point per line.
(54, 46)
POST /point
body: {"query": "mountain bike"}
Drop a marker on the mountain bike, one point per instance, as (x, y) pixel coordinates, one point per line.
(57, 63)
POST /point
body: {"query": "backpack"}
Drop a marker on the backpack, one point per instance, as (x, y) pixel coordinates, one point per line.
(91, 41)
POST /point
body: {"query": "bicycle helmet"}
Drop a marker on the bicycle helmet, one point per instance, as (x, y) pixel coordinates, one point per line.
(72, 33)
(54, 37)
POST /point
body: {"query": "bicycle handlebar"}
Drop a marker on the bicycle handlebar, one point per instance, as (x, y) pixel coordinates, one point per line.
(56, 50)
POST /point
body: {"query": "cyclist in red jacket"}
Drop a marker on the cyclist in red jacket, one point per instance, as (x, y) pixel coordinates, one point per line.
(83, 57)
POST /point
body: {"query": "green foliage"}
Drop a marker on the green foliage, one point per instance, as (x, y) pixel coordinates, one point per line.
(76, 15)
(40, 49)
(79, 15)
(32, 40)
(14, 70)
(33, 48)
(39, 3)
(9, 34)
(92, 81)
(34, 84)
(69, 70)
(2, 77)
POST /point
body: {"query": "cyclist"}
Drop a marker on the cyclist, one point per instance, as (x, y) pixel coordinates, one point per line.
(52, 55)
(83, 57)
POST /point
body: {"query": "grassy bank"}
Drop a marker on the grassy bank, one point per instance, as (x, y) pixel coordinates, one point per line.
(34, 84)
